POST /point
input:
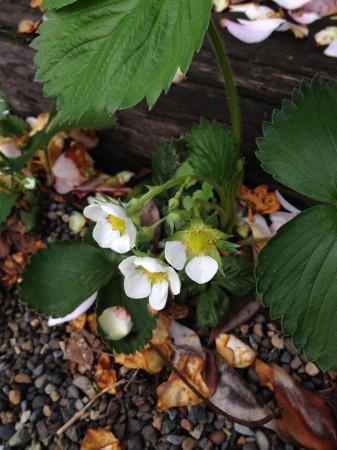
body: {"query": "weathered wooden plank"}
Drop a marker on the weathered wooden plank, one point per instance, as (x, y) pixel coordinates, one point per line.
(265, 73)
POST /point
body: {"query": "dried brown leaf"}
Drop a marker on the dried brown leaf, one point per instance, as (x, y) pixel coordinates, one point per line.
(100, 440)
(77, 349)
(105, 375)
(305, 416)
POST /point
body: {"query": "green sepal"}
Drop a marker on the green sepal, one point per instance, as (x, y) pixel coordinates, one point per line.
(143, 321)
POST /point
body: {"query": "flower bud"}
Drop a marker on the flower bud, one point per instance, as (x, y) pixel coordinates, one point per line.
(115, 322)
(29, 182)
(76, 222)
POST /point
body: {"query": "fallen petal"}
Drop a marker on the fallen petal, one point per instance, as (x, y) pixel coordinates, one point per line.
(235, 351)
(252, 31)
(291, 4)
(331, 50)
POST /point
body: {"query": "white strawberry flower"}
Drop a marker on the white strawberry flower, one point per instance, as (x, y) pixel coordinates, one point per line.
(149, 277)
(113, 229)
(196, 250)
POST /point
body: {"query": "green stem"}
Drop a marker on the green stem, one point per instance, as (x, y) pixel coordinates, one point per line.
(252, 241)
(137, 204)
(223, 59)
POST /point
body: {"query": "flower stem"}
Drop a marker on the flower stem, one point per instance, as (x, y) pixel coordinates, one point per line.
(223, 59)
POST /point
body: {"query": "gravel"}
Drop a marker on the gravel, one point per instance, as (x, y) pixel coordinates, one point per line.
(40, 391)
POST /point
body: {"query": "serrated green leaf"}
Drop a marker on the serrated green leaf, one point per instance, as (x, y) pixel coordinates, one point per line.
(13, 125)
(60, 277)
(205, 194)
(101, 55)
(296, 274)
(299, 146)
(239, 276)
(211, 306)
(164, 163)
(7, 200)
(111, 256)
(102, 122)
(213, 151)
(56, 4)
(143, 322)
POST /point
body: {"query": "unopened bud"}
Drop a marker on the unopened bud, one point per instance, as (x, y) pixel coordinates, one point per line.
(115, 322)
(76, 222)
(124, 176)
(29, 182)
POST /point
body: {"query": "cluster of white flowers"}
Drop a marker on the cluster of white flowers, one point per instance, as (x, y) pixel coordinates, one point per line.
(193, 250)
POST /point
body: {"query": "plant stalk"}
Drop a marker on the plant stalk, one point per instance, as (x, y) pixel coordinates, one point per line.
(223, 59)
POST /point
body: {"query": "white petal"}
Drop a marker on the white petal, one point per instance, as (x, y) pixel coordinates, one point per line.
(104, 235)
(131, 231)
(304, 18)
(9, 149)
(174, 280)
(252, 31)
(183, 335)
(94, 212)
(291, 4)
(331, 50)
(278, 219)
(128, 265)
(77, 312)
(253, 11)
(65, 168)
(61, 186)
(136, 285)
(158, 296)
(259, 227)
(286, 205)
(326, 36)
(175, 254)
(114, 210)
(121, 244)
(151, 264)
(201, 269)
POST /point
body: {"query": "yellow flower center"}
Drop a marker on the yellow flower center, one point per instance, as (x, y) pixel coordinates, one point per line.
(198, 241)
(153, 277)
(117, 224)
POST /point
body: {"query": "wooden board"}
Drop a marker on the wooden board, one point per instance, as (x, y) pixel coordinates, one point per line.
(265, 73)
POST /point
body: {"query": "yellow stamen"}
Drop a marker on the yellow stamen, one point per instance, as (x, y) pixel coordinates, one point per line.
(153, 277)
(117, 224)
(199, 241)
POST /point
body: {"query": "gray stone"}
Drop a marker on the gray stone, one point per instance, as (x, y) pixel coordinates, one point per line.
(150, 435)
(6, 431)
(84, 384)
(197, 431)
(262, 440)
(134, 426)
(20, 438)
(245, 431)
(174, 439)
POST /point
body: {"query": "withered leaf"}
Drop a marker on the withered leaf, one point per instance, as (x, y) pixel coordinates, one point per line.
(305, 417)
(99, 440)
(77, 349)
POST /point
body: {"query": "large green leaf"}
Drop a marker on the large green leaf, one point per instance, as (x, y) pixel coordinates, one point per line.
(56, 4)
(60, 277)
(213, 152)
(101, 55)
(7, 200)
(143, 322)
(296, 275)
(299, 146)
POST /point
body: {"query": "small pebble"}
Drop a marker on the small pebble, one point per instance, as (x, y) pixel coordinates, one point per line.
(278, 341)
(189, 444)
(14, 397)
(22, 378)
(262, 440)
(217, 437)
(311, 369)
(245, 431)
(296, 363)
